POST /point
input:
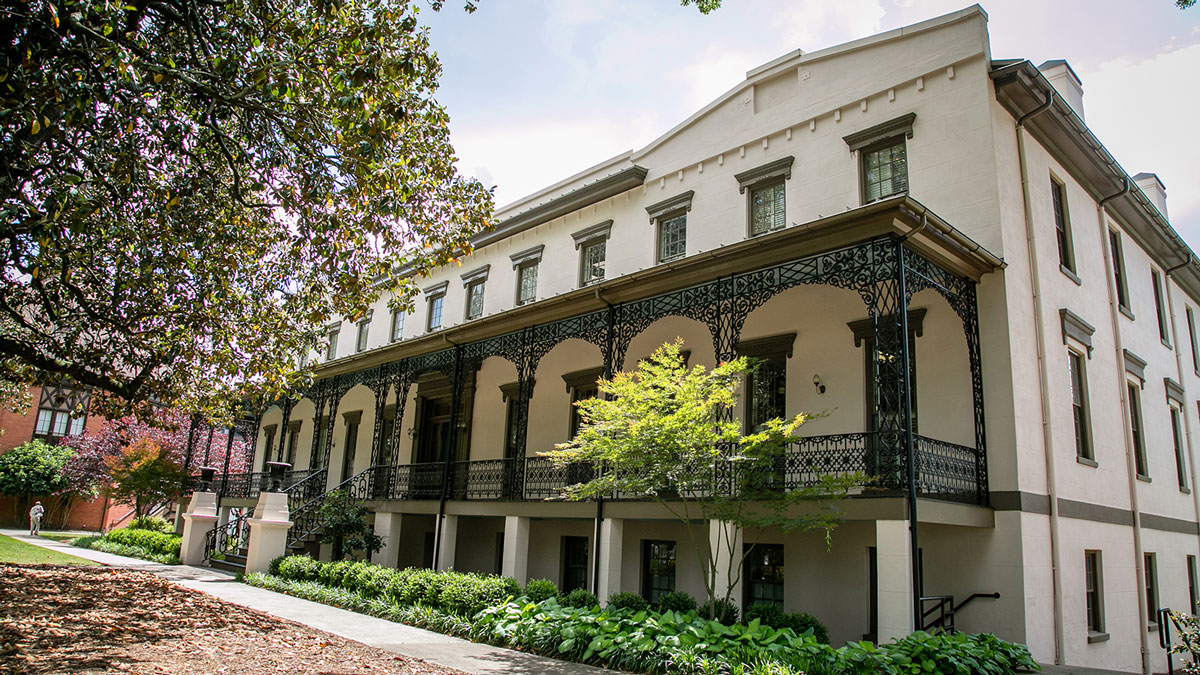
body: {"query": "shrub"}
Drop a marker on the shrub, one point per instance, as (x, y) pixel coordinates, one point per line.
(158, 543)
(580, 597)
(107, 546)
(676, 601)
(722, 611)
(629, 601)
(767, 614)
(801, 622)
(538, 590)
(273, 566)
(152, 523)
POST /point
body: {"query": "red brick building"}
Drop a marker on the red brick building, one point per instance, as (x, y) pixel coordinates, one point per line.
(50, 418)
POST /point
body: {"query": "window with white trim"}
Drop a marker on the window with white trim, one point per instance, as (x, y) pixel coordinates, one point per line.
(62, 411)
(397, 325)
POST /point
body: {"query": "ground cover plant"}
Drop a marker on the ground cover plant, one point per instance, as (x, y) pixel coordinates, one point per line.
(135, 542)
(626, 635)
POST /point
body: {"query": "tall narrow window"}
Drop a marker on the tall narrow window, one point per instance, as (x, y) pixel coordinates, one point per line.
(672, 237)
(1094, 590)
(293, 441)
(1177, 438)
(1062, 226)
(658, 569)
(350, 443)
(268, 447)
(527, 275)
(592, 259)
(1151, 570)
(435, 312)
(1160, 308)
(364, 331)
(1135, 430)
(884, 170)
(474, 300)
(1193, 600)
(767, 208)
(397, 325)
(1118, 262)
(764, 574)
(331, 347)
(1079, 406)
(1192, 335)
(767, 386)
(575, 563)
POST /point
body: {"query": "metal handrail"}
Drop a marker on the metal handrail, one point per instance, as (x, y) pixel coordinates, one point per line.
(232, 536)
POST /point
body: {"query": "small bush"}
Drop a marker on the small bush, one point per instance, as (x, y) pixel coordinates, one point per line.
(538, 590)
(580, 597)
(273, 566)
(152, 523)
(627, 600)
(158, 543)
(722, 611)
(767, 614)
(676, 601)
(801, 622)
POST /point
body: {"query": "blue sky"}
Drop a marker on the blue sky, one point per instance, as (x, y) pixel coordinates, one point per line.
(538, 90)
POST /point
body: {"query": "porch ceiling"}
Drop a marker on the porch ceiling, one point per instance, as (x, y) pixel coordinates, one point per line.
(903, 216)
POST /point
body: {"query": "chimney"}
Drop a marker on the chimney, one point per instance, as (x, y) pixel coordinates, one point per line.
(1065, 82)
(1154, 189)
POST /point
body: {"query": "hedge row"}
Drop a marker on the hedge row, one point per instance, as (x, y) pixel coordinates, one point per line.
(159, 543)
(459, 593)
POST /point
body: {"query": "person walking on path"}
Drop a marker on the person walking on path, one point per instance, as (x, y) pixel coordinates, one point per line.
(35, 519)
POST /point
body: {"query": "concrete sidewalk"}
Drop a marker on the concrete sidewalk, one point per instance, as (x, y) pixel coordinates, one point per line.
(443, 650)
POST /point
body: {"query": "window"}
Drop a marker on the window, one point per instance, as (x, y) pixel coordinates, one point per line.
(1094, 590)
(582, 385)
(591, 242)
(889, 407)
(332, 346)
(350, 443)
(364, 330)
(672, 237)
(575, 563)
(268, 446)
(1192, 336)
(767, 209)
(1118, 262)
(62, 411)
(474, 300)
(435, 312)
(1177, 439)
(767, 387)
(592, 260)
(316, 455)
(527, 275)
(293, 440)
(397, 325)
(1135, 430)
(764, 574)
(1151, 572)
(1079, 406)
(658, 569)
(1193, 600)
(1159, 309)
(884, 170)
(1062, 226)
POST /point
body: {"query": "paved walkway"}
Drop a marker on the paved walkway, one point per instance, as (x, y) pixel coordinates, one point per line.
(451, 652)
(1076, 670)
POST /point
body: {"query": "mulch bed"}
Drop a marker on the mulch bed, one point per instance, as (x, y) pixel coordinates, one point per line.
(56, 619)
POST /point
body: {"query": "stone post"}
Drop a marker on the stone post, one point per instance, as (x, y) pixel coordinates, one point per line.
(894, 568)
(449, 540)
(198, 521)
(387, 526)
(515, 563)
(268, 531)
(612, 532)
(726, 542)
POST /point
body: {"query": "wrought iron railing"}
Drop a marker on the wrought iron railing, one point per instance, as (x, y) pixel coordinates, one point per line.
(231, 537)
(949, 471)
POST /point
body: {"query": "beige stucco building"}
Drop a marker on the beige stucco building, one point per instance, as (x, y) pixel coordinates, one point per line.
(831, 203)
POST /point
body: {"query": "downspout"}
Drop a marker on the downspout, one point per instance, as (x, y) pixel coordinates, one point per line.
(1130, 461)
(597, 525)
(447, 467)
(1191, 456)
(1044, 377)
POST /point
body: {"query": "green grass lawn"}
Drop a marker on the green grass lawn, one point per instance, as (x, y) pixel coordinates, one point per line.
(14, 551)
(61, 536)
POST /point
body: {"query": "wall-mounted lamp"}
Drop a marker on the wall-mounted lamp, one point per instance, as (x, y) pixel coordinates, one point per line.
(817, 383)
(412, 432)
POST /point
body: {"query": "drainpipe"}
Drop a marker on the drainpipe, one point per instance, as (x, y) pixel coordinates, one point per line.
(1187, 426)
(1044, 377)
(1130, 461)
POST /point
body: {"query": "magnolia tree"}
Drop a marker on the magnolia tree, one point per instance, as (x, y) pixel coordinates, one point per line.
(668, 433)
(168, 429)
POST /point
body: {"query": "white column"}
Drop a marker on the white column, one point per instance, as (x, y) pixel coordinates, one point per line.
(894, 558)
(198, 521)
(447, 540)
(612, 533)
(223, 516)
(515, 563)
(387, 525)
(726, 541)
(268, 531)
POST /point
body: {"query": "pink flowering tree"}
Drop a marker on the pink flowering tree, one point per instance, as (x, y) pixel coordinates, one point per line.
(168, 429)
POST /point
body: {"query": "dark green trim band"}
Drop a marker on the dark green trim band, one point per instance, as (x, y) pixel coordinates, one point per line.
(1030, 502)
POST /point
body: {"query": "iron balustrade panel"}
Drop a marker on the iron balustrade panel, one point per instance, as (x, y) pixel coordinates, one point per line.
(229, 538)
(808, 459)
(544, 480)
(947, 471)
(419, 482)
(484, 479)
(306, 486)
(246, 485)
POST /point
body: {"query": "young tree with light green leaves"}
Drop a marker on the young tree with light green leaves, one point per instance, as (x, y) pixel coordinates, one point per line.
(668, 433)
